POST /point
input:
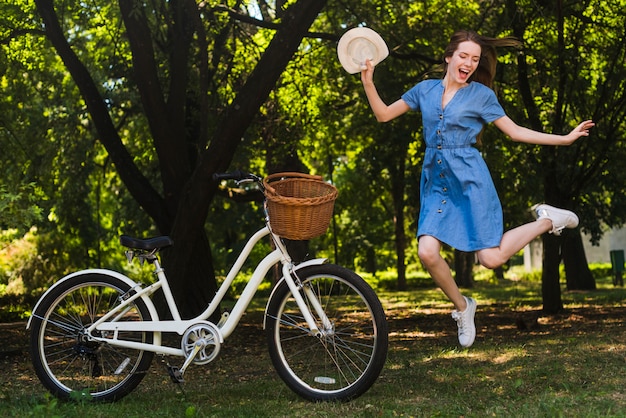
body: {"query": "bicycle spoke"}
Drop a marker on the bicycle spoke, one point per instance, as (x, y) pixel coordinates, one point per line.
(349, 353)
(68, 359)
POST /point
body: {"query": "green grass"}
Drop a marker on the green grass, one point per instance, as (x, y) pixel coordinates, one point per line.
(571, 364)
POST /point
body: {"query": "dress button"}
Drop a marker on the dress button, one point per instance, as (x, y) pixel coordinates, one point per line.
(441, 175)
(440, 116)
(439, 211)
(438, 131)
(445, 189)
(443, 202)
(439, 161)
(438, 146)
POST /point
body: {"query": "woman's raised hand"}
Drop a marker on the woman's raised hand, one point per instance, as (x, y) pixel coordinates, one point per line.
(580, 130)
(367, 73)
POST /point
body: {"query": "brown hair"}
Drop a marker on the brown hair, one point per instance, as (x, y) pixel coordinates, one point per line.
(486, 71)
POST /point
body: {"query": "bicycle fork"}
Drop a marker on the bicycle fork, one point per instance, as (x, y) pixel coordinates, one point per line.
(313, 305)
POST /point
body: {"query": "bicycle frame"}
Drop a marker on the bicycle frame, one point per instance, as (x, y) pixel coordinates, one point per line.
(109, 323)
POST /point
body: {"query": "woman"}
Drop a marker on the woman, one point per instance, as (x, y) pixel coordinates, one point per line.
(459, 203)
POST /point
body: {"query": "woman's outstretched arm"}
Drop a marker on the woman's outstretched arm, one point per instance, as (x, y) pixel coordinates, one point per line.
(521, 134)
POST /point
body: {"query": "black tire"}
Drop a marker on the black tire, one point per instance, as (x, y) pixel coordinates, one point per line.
(70, 366)
(343, 362)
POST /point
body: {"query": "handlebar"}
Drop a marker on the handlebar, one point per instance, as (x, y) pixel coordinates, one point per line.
(238, 176)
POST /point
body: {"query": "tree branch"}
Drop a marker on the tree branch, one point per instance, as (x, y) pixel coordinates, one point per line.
(137, 184)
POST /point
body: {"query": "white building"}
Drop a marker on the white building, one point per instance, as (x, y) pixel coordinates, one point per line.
(615, 239)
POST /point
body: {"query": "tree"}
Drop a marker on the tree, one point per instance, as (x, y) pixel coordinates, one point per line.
(173, 87)
(178, 50)
(570, 69)
(463, 266)
(580, 64)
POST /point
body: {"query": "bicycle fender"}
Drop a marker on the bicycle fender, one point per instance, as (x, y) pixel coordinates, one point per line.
(104, 272)
(313, 262)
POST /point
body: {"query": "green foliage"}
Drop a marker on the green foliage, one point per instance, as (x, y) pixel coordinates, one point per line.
(388, 280)
(58, 177)
(20, 268)
(18, 209)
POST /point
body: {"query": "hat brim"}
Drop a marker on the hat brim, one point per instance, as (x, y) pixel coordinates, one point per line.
(357, 46)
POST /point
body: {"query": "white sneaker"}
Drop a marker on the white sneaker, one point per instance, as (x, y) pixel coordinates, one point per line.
(465, 322)
(560, 218)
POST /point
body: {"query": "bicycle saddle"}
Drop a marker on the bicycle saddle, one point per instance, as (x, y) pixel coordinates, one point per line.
(148, 244)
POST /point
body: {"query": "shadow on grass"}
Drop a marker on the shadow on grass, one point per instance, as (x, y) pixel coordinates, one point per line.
(522, 364)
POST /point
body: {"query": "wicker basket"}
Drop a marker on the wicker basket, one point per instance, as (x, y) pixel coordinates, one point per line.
(299, 205)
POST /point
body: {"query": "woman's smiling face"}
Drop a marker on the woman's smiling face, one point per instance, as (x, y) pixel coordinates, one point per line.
(463, 62)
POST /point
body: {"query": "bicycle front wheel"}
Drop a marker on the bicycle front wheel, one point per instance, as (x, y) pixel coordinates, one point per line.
(345, 360)
(67, 361)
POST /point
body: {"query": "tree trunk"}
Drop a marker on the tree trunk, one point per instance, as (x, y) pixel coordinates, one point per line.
(550, 278)
(397, 189)
(200, 189)
(499, 273)
(551, 246)
(401, 260)
(577, 273)
(195, 268)
(463, 268)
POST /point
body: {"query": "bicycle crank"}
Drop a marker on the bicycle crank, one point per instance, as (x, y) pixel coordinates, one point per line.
(201, 344)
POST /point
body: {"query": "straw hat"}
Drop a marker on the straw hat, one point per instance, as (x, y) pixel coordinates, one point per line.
(359, 44)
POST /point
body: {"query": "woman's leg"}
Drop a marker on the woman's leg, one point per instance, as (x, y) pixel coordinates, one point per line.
(512, 241)
(549, 219)
(429, 252)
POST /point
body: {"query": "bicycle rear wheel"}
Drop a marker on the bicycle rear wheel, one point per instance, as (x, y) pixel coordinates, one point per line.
(71, 365)
(347, 358)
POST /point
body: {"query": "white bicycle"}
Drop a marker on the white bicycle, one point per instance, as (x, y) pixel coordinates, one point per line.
(94, 333)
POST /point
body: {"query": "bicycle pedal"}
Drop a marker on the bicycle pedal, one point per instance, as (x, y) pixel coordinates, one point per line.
(175, 374)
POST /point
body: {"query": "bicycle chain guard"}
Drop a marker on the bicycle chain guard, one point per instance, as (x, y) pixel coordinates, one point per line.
(205, 335)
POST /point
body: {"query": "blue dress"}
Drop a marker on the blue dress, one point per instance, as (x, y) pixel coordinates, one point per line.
(459, 204)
